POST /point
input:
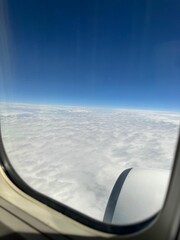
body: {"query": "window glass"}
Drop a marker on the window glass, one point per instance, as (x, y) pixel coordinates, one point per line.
(89, 89)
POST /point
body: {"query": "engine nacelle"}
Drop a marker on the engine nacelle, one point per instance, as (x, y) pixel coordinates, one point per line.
(137, 195)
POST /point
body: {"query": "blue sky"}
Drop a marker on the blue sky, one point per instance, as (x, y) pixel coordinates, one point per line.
(92, 52)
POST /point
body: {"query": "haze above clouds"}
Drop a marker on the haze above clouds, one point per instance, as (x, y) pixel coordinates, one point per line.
(75, 154)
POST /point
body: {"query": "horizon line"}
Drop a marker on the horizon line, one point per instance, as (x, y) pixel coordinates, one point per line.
(92, 106)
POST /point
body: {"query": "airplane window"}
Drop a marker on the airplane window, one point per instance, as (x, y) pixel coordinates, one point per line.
(90, 103)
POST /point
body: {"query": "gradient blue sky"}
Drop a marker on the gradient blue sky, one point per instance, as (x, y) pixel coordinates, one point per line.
(93, 52)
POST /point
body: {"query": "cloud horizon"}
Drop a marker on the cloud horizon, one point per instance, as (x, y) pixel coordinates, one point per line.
(75, 154)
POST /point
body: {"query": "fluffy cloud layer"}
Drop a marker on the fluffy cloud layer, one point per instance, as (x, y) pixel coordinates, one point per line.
(75, 154)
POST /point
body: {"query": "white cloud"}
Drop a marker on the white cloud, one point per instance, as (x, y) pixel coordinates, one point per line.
(75, 154)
